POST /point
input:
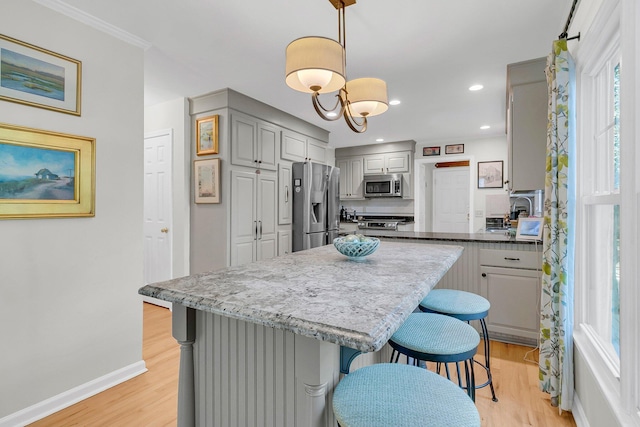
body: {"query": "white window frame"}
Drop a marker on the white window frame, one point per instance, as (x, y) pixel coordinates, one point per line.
(613, 30)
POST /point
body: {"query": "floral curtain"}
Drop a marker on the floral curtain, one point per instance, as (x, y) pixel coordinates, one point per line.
(556, 314)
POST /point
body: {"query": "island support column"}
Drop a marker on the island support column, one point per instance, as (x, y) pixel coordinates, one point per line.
(317, 367)
(184, 331)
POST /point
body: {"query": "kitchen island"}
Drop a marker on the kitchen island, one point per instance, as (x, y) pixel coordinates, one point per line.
(265, 343)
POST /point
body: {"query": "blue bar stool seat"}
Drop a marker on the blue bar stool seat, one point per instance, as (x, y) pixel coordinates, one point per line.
(389, 394)
(464, 306)
(437, 338)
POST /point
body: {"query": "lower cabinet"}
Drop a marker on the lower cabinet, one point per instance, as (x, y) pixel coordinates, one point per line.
(511, 281)
(254, 216)
(284, 242)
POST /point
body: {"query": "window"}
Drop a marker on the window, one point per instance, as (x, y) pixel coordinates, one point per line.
(607, 247)
(600, 202)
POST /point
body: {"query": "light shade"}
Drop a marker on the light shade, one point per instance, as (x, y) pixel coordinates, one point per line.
(315, 64)
(367, 97)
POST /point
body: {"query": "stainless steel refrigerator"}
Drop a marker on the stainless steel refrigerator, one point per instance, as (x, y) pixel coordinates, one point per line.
(316, 200)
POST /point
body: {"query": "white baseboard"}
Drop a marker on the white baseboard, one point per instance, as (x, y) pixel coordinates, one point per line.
(577, 410)
(56, 403)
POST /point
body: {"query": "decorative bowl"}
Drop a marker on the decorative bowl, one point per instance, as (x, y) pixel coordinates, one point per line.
(356, 249)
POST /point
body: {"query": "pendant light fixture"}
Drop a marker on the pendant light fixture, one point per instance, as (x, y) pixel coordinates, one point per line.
(318, 65)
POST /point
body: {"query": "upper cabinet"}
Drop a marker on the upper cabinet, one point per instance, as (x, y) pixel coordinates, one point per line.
(527, 124)
(300, 148)
(253, 143)
(350, 177)
(395, 162)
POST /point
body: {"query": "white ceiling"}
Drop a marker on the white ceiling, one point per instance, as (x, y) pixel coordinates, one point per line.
(428, 51)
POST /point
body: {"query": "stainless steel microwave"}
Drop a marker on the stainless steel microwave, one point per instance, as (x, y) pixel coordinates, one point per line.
(383, 185)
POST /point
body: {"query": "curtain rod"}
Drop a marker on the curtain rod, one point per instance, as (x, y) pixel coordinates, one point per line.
(564, 34)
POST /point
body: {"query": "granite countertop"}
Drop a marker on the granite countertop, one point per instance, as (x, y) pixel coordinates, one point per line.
(452, 237)
(319, 292)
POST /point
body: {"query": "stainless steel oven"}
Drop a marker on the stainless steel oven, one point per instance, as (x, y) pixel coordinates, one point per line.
(383, 186)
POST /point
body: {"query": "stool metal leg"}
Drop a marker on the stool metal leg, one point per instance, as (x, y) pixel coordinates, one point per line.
(487, 360)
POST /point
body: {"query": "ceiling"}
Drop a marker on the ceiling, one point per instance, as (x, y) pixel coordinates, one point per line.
(428, 51)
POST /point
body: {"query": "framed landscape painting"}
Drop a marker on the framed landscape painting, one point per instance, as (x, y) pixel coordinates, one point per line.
(206, 176)
(207, 135)
(35, 76)
(45, 174)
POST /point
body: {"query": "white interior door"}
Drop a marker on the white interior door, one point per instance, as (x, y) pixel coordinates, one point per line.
(157, 210)
(451, 200)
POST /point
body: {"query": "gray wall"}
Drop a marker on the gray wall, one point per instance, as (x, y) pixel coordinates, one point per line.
(69, 309)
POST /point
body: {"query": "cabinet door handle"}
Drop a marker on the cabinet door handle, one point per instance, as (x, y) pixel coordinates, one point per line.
(511, 259)
(255, 161)
(256, 224)
(260, 229)
(259, 161)
(286, 194)
(484, 274)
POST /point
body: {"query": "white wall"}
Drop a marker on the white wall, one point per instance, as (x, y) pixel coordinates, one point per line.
(478, 150)
(69, 308)
(174, 115)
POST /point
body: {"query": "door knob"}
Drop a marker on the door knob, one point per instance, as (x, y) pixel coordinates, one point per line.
(164, 230)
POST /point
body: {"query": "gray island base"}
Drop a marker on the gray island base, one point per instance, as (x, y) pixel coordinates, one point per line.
(261, 343)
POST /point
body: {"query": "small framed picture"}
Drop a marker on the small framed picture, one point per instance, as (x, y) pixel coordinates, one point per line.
(454, 149)
(490, 174)
(207, 135)
(206, 175)
(431, 151)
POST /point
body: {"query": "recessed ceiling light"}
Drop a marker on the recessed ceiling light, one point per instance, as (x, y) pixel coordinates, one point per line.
(394, 102)
(476, 87)
(380, 140)
(331, 114)
(485, 127)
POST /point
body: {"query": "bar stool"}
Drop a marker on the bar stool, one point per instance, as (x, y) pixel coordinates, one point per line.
(464, 306)
(437, 338)
(389, 394)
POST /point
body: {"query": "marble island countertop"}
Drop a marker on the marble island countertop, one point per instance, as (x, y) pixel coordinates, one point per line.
(320, 293)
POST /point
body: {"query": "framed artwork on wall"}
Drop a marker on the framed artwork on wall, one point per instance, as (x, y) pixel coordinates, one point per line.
(206, 175)
(490, 174)
(50, 174)
(454, 149)
(34, 76)
(207, 135)
(431, 151)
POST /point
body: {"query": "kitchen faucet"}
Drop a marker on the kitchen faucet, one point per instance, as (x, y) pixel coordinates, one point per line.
(513, 207)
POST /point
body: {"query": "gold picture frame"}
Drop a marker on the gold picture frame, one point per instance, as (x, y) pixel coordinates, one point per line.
(34, 76)
(206, 180)
(207, 135)
(51, 174)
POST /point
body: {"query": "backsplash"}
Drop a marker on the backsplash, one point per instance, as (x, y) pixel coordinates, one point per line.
(395, 206)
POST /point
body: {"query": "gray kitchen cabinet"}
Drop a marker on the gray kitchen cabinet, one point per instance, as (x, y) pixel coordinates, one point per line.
(300, 148)
(511, 281)
(394, 162)
(284, 242)
(253, 143)
(285, 198)
(527, 124)
(351, 176)
(254, 219)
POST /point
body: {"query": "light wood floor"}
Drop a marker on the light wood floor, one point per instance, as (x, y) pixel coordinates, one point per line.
(150, 399)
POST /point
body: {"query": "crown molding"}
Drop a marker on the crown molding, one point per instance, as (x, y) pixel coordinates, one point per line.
(92, 21)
